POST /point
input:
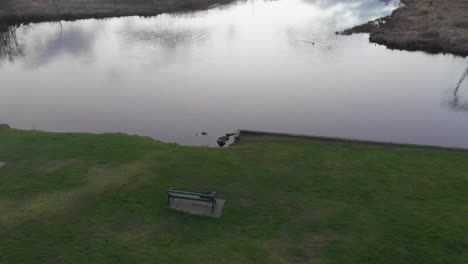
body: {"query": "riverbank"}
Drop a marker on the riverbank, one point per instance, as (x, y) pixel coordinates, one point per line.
(28, 11)
(435, 26)
(91, 198)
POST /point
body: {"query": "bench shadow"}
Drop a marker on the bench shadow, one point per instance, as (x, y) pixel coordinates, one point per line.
(198, 207)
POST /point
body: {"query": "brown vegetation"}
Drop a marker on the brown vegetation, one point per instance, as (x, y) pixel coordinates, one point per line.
(428, 25)
(26, 11)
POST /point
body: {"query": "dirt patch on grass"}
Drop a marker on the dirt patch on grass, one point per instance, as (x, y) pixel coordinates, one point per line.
(301, 240)
(52, 166)
(309, 249)
(128, 230)
(100, 179)
(426, 25)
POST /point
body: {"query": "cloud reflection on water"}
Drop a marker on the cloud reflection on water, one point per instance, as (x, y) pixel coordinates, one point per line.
(460, 99)
(259, 65)
(47, 41)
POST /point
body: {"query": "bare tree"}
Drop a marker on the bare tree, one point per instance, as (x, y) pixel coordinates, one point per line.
(57, 11)
(9, 46)
(457, 103)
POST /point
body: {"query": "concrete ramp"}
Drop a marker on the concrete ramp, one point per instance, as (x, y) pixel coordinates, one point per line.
(198, 207)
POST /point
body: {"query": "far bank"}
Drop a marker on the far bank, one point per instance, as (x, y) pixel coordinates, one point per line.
(28, 11)
(435, 26)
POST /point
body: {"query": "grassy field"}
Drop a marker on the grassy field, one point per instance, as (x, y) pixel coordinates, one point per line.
(83, 198)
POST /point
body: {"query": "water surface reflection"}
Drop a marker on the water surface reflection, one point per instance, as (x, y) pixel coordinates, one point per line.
(250, 65)
(459, 103)
(9, 46)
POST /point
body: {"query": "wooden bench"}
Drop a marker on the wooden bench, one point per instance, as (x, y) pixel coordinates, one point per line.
(204, 197)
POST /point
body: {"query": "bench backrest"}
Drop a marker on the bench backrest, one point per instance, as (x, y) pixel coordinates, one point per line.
(200, 195)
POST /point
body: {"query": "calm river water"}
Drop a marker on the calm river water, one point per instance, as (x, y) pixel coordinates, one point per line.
(258, 65)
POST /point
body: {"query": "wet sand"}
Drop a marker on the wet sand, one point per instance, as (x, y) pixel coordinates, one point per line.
(27, 11)
(435, 26)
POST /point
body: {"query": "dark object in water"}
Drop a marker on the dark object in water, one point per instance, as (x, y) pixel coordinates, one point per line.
(204, 133)
(222, 141)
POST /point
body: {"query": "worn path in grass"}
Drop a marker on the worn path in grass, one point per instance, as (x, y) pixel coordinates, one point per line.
(84, 198)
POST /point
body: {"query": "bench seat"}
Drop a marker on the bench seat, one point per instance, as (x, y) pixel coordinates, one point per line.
(204, 197)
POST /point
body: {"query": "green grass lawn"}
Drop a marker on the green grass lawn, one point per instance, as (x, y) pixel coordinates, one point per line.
(84, 198)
